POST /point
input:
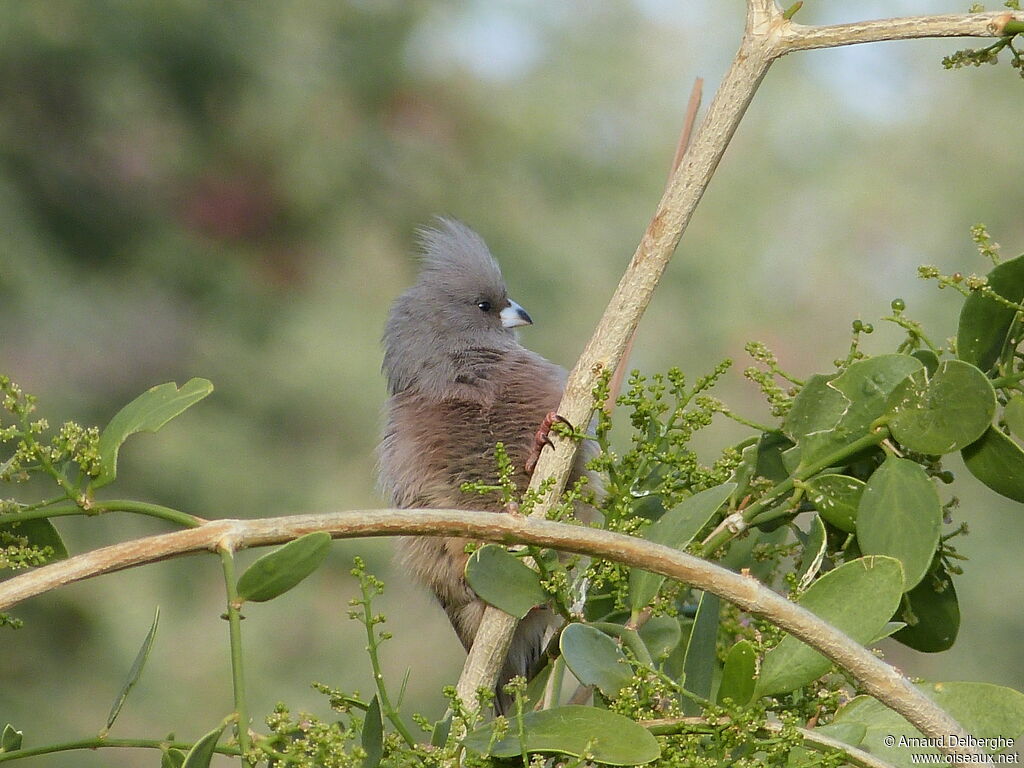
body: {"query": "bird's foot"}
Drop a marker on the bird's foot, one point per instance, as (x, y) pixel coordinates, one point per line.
(542, 438)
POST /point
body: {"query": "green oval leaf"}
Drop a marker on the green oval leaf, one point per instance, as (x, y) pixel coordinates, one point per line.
(146, 413)
(537, 686)
(743, 552)
(900, 515)
(372, 737)
(603, 736)
(998, 462)
(203, 750)
(503, 580)
(837, 498)
(986, 711)
(656, 476)
(595, 659)
(172, 758)
(933, 618)
(1013, 415)
(10, 739)
(739, 674)
(857, 598)
(629, 638)
(805, 757)
(701, 660)
(439, 735)
(945, 414)
(649, 507)
(39, 533)
(816, 408)
(813, 552)
(765, 459)
(891, 628)
(928, 358)
(676, 528)
(868, 384)
(136, 671)
(744, 473)
(673, 665)
(278, 571)
(661, 635)
(985, 323)
(849, 733)
(831, 413)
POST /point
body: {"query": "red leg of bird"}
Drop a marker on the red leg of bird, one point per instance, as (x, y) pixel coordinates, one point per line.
(542, 438)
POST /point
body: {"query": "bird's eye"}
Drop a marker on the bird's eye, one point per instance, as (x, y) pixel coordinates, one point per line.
(485, 306)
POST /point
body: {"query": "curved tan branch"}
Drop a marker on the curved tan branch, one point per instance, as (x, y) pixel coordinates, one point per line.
(875, 676)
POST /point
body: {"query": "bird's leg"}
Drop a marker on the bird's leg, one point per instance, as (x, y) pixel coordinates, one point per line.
(542, 438)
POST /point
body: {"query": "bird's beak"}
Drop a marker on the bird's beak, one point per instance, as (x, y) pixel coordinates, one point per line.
(514, 315)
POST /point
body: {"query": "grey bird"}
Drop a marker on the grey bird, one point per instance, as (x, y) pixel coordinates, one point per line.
(460, 382)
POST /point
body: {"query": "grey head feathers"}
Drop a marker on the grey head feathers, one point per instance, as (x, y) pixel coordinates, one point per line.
(454, 252)
(454, 321)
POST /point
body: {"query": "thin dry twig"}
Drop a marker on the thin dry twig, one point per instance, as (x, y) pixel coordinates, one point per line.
(692, 108)
(798, 37)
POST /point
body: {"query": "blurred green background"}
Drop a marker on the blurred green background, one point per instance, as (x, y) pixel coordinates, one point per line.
(231, 189)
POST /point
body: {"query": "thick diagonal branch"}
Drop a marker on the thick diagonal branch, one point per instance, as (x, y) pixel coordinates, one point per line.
(631, 297)
(768, 35)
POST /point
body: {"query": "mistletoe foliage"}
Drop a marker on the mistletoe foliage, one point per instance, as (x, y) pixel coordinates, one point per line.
(840, 498)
